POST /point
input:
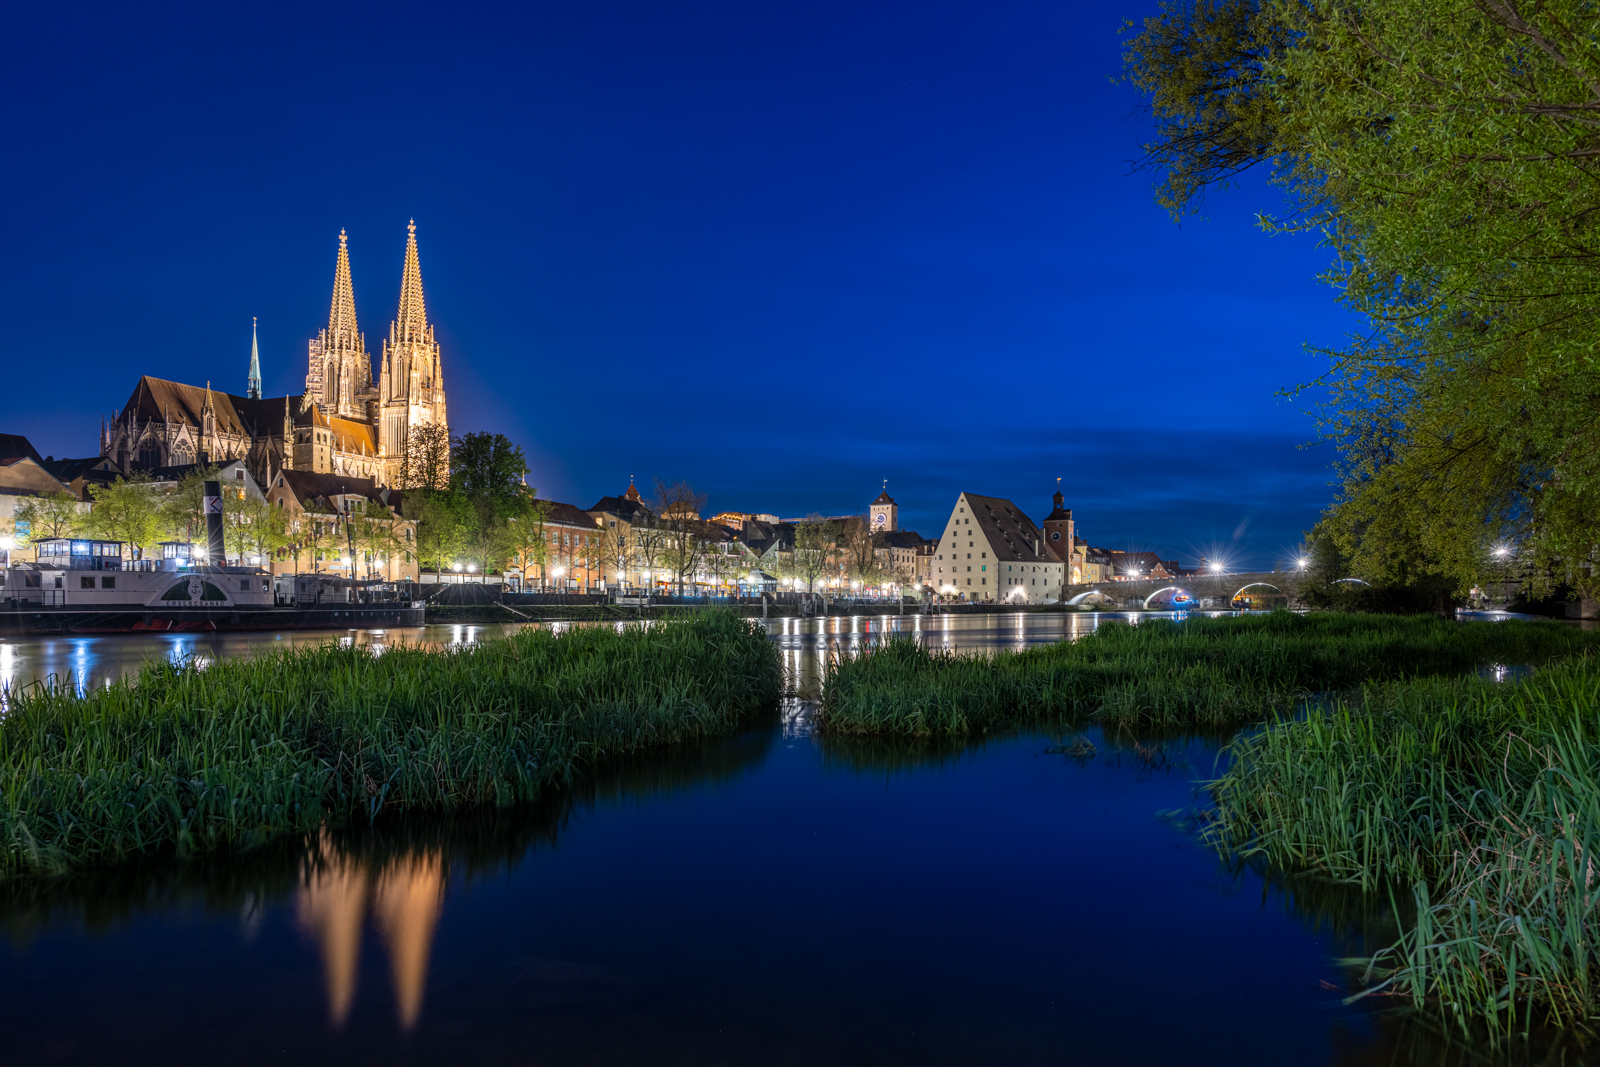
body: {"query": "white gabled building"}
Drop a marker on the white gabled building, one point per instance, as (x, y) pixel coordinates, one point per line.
(991, 551)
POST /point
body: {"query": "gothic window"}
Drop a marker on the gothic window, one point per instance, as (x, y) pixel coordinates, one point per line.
(149, 453)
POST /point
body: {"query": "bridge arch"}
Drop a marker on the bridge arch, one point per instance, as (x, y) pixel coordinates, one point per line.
(1164, 589)
(1363, 581)
(1081, 597)
(1257, 585)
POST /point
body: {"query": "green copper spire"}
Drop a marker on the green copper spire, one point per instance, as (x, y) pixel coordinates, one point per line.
(253, 391)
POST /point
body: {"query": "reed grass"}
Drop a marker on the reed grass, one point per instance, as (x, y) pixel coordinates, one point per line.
(1484, 798)
(247, 750)
(1207, 672)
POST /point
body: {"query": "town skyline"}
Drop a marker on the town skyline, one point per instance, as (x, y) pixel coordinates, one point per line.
(784, 299)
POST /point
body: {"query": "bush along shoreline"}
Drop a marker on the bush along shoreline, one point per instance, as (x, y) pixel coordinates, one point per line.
(247, 750)
(1199, 673)
(1482, 799)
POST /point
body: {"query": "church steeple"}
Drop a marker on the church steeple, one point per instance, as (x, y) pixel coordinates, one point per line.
(342, 313)
(253, 387)
(411, 324)
(410, 378)
(339, 373)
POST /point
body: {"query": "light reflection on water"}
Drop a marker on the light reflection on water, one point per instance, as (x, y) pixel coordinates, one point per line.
(82, 662)
(706, 895)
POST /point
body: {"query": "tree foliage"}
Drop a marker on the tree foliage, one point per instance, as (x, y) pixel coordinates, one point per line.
(1446, 151)
(49, 515)
(677, 506)
(816, 542)
(126, 511)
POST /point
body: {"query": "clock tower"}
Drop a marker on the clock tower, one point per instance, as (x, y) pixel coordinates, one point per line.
(884, 512)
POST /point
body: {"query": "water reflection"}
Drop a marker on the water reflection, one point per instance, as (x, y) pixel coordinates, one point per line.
(404, 893)
(97, 660)
(986, 897)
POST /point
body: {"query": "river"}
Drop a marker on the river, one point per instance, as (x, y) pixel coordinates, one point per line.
(770, 898)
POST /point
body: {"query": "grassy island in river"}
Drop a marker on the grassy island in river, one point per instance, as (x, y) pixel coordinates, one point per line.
(250, 749)
(1200, 672)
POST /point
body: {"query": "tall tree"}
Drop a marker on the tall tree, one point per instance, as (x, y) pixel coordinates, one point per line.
(1447, 153)
(677, 506)
(649, 545)
(527, 540)
(445, 524)
(860, 548)
(127, 511)
(816, 542)
(48, 515)
(427, 459)
(250, 524)
(182, 506)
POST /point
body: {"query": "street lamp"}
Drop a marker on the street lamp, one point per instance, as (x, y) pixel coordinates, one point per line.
(1302, 563)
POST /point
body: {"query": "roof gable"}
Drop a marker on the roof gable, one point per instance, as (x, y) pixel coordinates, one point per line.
(1010, 533)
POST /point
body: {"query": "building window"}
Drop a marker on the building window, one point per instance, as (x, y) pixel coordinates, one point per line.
(86, 583)
(108, 583)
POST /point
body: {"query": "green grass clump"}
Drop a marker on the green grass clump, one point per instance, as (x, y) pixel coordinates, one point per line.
(1200, 672)
(1485, 798)
(247, 750)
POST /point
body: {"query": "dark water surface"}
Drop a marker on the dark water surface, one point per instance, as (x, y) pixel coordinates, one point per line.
(771, 898)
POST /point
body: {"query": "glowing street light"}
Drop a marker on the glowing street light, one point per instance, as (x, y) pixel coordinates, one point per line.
(1216, 567)
(456, 567)
(1302, 563)
(1502, 551)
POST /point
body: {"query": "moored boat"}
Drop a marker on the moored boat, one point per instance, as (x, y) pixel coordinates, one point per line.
(81, 585)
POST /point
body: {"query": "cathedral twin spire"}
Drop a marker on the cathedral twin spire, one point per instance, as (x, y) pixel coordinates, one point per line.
(411, 324)
(340, 374)
(342, 329)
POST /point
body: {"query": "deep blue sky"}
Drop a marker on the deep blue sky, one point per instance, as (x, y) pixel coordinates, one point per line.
(781, 250)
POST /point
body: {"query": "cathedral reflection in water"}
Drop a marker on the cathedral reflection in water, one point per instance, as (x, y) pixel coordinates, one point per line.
(404, 896)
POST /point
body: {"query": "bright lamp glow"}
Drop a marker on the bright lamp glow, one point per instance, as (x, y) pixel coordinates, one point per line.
(455, 567)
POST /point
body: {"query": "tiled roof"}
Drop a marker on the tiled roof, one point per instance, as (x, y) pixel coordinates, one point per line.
(620, 506)
(560, 514)
(68, 469)
(356, 437)
(309, 485)
(1009, 531)
(178, 471)
(15, 446)
(157, 398)
(902, 539)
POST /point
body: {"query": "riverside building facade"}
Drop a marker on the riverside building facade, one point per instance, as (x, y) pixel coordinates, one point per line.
(991, 551)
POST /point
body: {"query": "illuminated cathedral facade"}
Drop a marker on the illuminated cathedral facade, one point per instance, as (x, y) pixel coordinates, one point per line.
(347, 422)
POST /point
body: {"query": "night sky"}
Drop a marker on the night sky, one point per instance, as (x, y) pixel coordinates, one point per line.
(783, 251)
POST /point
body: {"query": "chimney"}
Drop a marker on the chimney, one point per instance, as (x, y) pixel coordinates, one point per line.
(215, 550)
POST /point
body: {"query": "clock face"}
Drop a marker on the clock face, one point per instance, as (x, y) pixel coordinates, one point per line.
(1055, 535)
(880, 518)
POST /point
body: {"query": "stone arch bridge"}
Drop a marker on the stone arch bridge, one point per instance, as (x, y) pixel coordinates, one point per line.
(1266, 589)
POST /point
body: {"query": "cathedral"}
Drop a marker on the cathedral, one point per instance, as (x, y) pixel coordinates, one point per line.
(345, 423)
